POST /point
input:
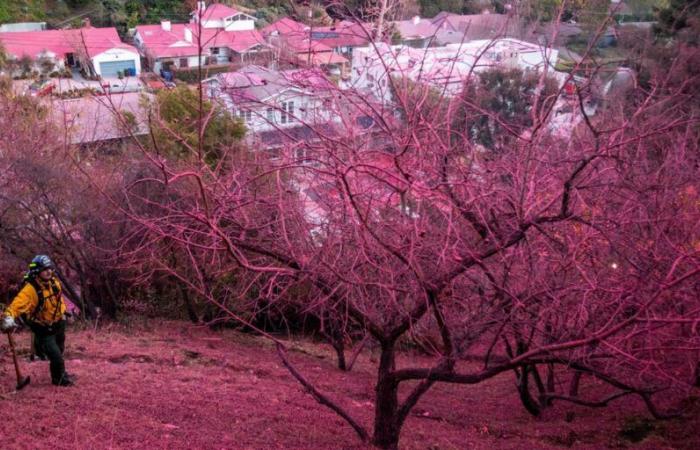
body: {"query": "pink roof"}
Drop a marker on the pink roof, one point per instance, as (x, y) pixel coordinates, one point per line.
(342, 34)
(160, 43)
(319, 59)
(285, 26)
(216, 11)
(301, 44)
(92, 41)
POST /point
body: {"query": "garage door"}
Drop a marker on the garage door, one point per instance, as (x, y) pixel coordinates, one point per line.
(111, 69)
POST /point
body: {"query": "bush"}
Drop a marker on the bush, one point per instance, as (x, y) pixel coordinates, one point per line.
(191, 75)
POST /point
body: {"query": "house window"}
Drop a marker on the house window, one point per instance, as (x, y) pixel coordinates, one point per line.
(245, 115)
(215, 50)
(183, 62)
(370, 77)
(270, 114)
(287, 115)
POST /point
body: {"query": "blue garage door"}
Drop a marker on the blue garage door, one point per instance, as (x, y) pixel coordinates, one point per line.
(111, 69)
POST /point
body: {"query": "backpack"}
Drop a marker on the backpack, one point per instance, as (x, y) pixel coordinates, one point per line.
(29, 318)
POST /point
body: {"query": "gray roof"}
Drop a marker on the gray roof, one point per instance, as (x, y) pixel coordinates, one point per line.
(256, 84)
(22, 26)
(455, 28)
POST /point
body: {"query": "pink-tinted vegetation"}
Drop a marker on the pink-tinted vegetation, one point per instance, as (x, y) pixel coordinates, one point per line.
(570, 265)
(180, 386)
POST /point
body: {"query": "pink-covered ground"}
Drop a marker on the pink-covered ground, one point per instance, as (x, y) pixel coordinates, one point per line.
(179, 386)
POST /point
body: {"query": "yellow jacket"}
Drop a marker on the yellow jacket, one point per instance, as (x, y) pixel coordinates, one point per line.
(27, 300)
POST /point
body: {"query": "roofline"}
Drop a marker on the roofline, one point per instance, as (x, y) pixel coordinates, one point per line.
(132, 49)
(194, 14)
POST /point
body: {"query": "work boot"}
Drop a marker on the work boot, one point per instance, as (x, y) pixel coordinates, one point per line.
(65, 380)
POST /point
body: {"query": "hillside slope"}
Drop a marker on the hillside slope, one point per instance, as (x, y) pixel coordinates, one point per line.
(179, 386)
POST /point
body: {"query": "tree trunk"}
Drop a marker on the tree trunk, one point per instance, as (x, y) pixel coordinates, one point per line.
(339, 348)
(191, 313)
(575, 380)
(551, 384)
(386, 428)
(523, 383)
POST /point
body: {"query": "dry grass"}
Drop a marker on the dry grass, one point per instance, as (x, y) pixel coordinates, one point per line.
(179, 386)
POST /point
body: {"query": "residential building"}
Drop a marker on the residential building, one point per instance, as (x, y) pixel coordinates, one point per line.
(289, 108)
(444, 68)
(100, 120)
(416, 32)
(178, 46)
(266, 99)
(222, 17)
(294, 47)
(286, 27)
(99, 51)
(343, 36)
(22, 26)
(459, 28)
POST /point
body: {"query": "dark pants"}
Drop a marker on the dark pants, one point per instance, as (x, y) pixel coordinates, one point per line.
(51, 342)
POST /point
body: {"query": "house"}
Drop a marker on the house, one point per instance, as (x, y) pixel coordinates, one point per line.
(222, 17)
(288, 108)
(168, 45)
(343, 36)
(22, 26)
(285, 27)
(295, 46)
(458, 28)
(444, 68)
(267, 99)
(416, 32)
(99, 51)
(100, 120)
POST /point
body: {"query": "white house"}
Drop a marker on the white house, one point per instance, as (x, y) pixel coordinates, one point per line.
(444, 68)
(289, 108)
(267, 99)
(99, 51)
(222, 17)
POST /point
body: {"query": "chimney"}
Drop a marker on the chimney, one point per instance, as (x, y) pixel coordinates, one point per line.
(86, 22)
(416, 20)
(188, 34)
(165, 25)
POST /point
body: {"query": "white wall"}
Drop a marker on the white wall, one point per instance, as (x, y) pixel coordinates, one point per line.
(192, 61)
(116, 54)
(308, 109)
(231, 25)
(239, 25)
(442, 67)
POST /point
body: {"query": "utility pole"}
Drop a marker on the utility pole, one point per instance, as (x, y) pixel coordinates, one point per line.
(309, 16)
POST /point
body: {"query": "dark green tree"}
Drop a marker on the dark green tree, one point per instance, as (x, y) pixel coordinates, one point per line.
(679, 14)
(430, 8)
(178, 124)
(498, 106)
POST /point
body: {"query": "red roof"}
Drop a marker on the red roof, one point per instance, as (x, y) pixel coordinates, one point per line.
(216, 11)
(160, 43)
(285, 26)
(92, 41)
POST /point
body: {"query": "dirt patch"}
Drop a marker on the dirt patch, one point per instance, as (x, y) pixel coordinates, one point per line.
(130, 358)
